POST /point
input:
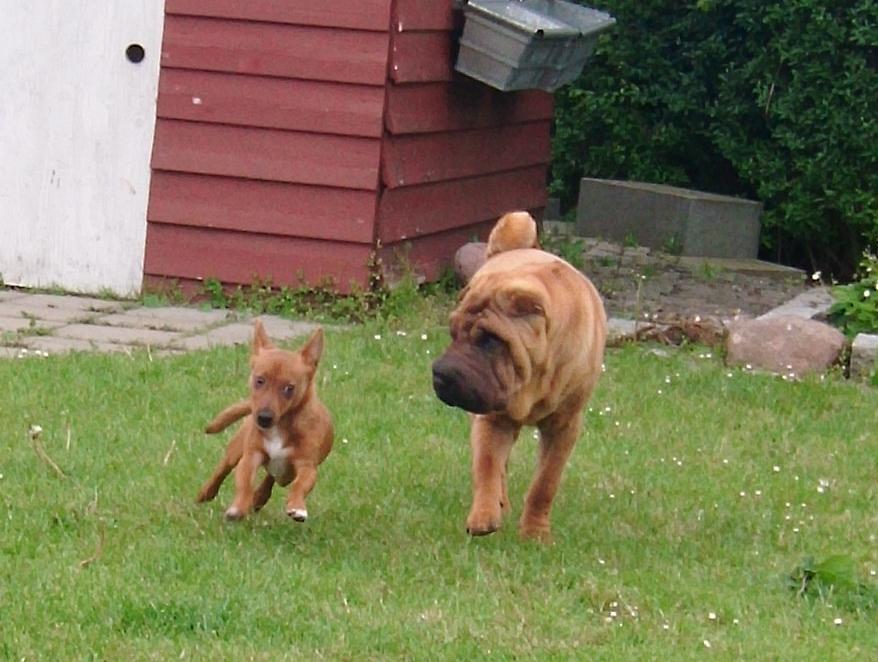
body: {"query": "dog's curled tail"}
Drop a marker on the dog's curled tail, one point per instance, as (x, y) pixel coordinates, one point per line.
(228, 416)
(517, 229)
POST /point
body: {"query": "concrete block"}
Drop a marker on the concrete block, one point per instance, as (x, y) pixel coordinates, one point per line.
(806, 305)
(9, 295)
(691, 222)
(864, 356)
(16, 324)
(68, 302)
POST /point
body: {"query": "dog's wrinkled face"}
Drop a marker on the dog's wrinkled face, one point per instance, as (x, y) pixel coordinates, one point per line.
(498, 336)
(280, 380)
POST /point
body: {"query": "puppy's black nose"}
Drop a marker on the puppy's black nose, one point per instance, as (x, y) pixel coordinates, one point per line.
(264, 418)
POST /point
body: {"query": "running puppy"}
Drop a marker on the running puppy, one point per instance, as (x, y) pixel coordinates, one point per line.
(287, 429)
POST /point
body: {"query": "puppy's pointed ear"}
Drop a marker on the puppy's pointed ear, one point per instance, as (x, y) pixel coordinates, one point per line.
(260, 339)
(521, 298)
(313, 349)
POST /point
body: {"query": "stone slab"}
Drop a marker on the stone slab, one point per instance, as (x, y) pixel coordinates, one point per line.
(15, 324)
(693, 222)
(171, 318)
(56, 345)
(241, 333)
(116, 334)
(9, 295)
(864, 356)
(748, 266)
(618, 328)
(806, 305)
(69, 302)
(8, 352)
(19, 308)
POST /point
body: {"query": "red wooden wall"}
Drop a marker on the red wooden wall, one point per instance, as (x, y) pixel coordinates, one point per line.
(292, 138)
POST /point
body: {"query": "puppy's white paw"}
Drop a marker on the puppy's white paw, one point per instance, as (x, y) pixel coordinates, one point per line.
(298, 514)
(233, 514)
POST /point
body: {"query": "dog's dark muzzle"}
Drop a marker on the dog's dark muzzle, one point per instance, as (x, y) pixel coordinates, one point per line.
(453, 388)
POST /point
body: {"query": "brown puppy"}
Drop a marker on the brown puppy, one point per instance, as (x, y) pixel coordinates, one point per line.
(527, 347)
(288, 430)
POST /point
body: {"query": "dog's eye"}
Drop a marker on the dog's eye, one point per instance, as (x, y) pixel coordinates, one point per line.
(288, 390)
(259, 382)
(487, 341)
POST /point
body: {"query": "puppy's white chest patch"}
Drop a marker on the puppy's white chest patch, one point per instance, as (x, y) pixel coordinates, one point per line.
(278, 457)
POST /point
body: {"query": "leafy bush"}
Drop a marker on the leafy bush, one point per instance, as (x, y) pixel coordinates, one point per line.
(773, 100)
(856, 305)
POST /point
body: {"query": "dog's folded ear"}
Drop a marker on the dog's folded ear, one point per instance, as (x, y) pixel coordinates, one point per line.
(522, 298)
(313, 349)
(260, 338)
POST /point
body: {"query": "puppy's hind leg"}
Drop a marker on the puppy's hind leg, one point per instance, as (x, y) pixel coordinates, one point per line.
(232, 456)
(263, 492)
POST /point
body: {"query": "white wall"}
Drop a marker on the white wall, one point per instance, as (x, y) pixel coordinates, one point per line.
(76, 128)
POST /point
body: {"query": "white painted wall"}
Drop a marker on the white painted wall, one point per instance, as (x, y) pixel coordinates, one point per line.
(76, 129)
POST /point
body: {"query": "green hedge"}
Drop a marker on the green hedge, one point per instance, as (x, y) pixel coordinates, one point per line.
(772, 100)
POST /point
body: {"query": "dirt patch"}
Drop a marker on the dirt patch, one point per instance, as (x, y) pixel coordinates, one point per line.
(638, 282)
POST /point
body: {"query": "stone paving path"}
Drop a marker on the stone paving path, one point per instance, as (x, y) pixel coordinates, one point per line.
(51, 324)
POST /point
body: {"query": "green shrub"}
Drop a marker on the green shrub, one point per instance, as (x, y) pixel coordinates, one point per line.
(773, 100)
(856, 305)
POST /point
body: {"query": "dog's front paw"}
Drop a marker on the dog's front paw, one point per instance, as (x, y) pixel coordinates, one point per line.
(206, 493)
(298, 514)
(482, 522)
(535, 529)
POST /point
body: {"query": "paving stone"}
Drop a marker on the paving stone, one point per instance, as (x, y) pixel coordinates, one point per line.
(9, 295)
(116, 334)
(618, 329)
(13, 324)
(241, 333)
(69, 302)
(806, 305)
(171, 318)
(56, 345)
(20, 308)
(864, 355)
(8, 352)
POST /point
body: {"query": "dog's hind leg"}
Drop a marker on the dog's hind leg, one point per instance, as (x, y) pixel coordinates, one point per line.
(232, 456)
(228, 416)
(263, 492)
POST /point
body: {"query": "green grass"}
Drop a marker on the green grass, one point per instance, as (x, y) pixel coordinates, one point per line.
(670, 510)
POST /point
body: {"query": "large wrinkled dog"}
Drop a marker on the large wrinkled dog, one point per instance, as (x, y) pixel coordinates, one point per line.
(527, 348)
(287, 429)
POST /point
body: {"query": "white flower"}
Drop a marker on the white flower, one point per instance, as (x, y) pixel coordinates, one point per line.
(866, 294)
(775, 469)
(711, 615)
(837, 621)
(816, 276)
(423, 336)
(706, 643)
(377, 336)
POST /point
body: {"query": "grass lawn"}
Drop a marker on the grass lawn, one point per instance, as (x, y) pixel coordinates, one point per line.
(692, 493)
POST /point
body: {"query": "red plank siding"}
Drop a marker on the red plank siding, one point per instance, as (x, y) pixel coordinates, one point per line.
(285, 156)
(359, 14)
(412, 211)
(424, 15)
(275, 50)
(271, 102)
(264, 207)
(460, 105)
(418, 57)
(238, 257)
(432, 157)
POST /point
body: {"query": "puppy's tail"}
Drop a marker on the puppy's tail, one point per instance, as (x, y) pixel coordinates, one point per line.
(228, 416)
(517, 229)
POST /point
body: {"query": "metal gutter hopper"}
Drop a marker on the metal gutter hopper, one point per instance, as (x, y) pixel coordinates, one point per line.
(527, 44)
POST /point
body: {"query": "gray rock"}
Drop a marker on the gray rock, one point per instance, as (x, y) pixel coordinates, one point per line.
(786, 345)
(807, 305)
(864, 353)
(468, 259)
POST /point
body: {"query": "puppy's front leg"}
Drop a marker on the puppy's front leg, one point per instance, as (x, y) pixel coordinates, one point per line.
(303, 483)
(232, 456)
(558, 435)
(491, 439)
(245, 473)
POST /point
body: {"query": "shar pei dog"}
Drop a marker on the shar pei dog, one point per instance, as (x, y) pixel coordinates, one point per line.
(527, 346)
